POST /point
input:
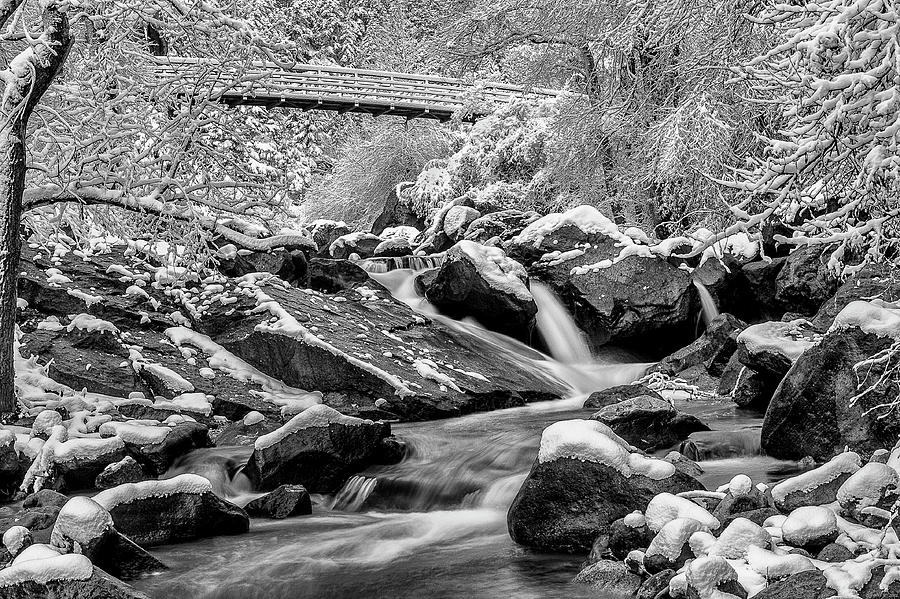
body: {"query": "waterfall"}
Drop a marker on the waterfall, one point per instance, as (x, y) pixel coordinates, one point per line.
(707, 303)
(387, 264)
(564, 339)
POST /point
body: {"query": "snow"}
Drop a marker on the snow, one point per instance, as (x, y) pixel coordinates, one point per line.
(738, 537)
(499, 271)
(592, 441)
(318, 415)
(586, 218)
(82, 520)
(44, 422)
(15, 538)
(400, 232)
(740, 485)
(136, 434)
(427, 369)
(843, 463)
(42, 568)
(635, 520)
(672, 537)
(876, 317)
(666, 507)
(786, 338)
(868, 485)
(87, 298)
(808, 523)
(51, 323)
(705, 574)
(775, 566)
(89, 323)
(252, 418)
(458, 217)
(131, 492)
(169, 378)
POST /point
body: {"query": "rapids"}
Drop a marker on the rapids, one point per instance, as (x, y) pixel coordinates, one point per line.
(434, 525)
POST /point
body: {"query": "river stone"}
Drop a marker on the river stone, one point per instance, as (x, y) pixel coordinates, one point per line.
(465, 287)
(564, 504)
(771, 348)
(319, 448)
(834, 553)
(171, 511)
(648, 423)
(754, 390)
(502, 225)
(612, 578)
(44, 498)
(810, 413)
(818, 486)
(874, 280)
(324, 232)
(760, 277)
(613, 395)
(289, 265)
(361, 244)
(100, 585)
(656, 584)
(712, 349)
(810, 584)
(156, 458)
(283, 502)
(127, 470)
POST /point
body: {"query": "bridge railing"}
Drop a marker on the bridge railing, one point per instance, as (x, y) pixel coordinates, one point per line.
(337, 88)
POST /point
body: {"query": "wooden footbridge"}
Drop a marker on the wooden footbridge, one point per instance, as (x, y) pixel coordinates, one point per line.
(318, 87)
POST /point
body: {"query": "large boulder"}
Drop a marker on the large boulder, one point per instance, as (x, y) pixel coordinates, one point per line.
(483, 283)
(874, 280)
(584, 478)
(761, 286)
(615, 288)
(319, 448)
(183, 508)
(819, 408)
(805, 282)
(502, 225)
(649, 422)
(770, 348)
(290, 265)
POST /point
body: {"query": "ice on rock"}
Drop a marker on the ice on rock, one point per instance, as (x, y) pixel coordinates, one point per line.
(593, 441)
(80, 520)
(671, 538)
(315, 416)
(809, 524)
(840, 465)
(776, 566)
(738, 537)
(129, 492)
(15, 539)
(666, 507)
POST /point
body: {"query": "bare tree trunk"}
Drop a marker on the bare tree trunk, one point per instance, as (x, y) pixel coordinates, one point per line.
(12, 185)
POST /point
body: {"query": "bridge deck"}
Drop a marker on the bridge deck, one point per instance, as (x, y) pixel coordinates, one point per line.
(315, 87)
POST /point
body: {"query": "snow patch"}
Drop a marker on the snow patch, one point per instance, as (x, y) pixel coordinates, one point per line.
(318, 415)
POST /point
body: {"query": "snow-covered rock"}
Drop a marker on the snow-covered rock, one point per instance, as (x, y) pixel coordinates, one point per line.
(666, 507)
(772, 347)
(810, 527)
(648, 422)
(713, 578)
(319, 448)
(585, 478)
(817, 486)
(670, 548)
(869, 494)
(609, 577)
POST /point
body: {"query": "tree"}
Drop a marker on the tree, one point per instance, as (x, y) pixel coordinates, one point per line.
(116, 141)
(832, 170)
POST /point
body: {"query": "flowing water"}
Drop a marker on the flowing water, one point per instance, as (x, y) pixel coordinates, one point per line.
(708, 308)
(433, 525)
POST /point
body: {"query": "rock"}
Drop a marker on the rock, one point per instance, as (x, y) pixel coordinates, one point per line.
(283, 502)
(869, 494)
(174, 510)
(457, 221)
(612, 578)
(16, 539)
(874, 280)
(810, 584)
(85, 527)
(804, 283)
(395, 213)
(728, 378)
(810, 528)
(754, 390)
(834, 553)
(705, 575)
(670, 549)
(736, 538)
(332, 276)
(319, 448)
(684, 464)
(483, 283)
(361, 244)
(810, 413)
(64, 577)
(392, 248)
(290, 266)
(712, 349)
(614, 395)
(873, 589)
(636, 299)
(11, 470)
(127, 470)
(649, 423)
(77, 462)
(656, 585)
(572, 495)
(629, 533)
(45, 498)
(502, 225)
(246, 430)
(818, 486)
(771, 348)
(737, 501)
(757, 516)
(708, 445)
(156, 448)
(761, 277)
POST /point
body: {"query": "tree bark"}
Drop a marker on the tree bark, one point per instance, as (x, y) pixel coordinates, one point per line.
(23, 91)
